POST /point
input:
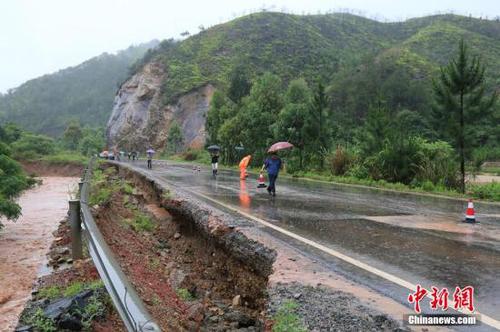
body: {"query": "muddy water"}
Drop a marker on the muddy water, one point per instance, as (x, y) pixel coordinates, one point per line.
(24, 244)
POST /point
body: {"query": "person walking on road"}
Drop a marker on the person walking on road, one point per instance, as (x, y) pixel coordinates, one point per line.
(273, 165)
(215, 163)
(149, 154)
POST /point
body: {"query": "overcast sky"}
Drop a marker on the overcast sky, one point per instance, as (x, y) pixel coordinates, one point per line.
(40, 37)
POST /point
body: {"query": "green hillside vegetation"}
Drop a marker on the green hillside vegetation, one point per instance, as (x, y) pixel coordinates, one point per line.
(355, 96)
(328, 47)
(83, 93)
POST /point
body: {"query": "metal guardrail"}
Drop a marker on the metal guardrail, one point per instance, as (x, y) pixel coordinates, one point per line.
(126, 301)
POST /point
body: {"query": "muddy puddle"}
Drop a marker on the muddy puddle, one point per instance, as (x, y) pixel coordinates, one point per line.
(24, 244)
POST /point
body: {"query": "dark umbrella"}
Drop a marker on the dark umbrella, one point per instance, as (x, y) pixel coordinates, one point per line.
(213, 148)
(280, 146)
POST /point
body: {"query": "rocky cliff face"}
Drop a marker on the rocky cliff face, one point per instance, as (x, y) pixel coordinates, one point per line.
(139, 120)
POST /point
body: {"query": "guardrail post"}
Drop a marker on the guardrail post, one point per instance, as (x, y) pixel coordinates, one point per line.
(76, 228)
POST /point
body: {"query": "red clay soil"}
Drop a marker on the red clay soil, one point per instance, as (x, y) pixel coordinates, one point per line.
(80, 271)
(42, 168)
(174, 257)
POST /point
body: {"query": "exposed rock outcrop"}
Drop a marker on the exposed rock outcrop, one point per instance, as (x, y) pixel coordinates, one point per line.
(139, 119)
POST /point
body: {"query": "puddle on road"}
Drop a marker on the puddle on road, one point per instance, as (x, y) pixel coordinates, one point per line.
(24, 244)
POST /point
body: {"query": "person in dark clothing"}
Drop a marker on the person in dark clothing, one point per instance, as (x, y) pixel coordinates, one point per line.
(150, 160)
(273, 165)
(215, 163)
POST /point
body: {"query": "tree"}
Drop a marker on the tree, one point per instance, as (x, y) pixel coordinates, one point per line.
(239, 84)
(31, 146)
(72, 135)
(460, 100)
(175, 138)
(295, 118)
(218, 112)
(321, 115)
(372, 135)
(259, 111)
(93, 141)
(12, 180)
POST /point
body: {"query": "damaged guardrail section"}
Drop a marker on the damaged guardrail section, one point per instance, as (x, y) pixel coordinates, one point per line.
(126, 301)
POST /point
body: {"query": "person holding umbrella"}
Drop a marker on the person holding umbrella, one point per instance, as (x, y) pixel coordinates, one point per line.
(150, 152)
(273, 164)
(214, 150)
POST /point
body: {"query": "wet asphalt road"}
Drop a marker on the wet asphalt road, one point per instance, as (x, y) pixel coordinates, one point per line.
(417, 238)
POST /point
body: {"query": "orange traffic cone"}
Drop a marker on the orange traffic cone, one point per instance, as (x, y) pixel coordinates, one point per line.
(469, 213)
(261, 181)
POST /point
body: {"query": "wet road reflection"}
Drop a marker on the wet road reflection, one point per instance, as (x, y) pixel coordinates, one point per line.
(374, 227)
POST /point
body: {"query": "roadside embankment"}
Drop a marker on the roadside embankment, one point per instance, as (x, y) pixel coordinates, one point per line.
(69, 295)
(190, 268)
(47, 168)
(301, 294)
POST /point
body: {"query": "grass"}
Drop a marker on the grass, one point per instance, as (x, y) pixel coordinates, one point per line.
(287, 320)
(100, 196)
(487, 191)
(65, 157)
(50, 293)
(41, 323)
(54, 292)
(184, 294)
(141, 222)
(127, 188)
(167, 194)
(491, 170)
(96, 307)
(74, 289)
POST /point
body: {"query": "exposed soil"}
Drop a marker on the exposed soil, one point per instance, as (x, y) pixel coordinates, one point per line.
(42, 168)
(174, 259)
(67, 272)
(24, 244)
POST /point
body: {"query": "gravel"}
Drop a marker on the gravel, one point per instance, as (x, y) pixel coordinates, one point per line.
(322, 309)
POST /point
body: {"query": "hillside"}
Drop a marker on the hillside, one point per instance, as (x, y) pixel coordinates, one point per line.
(360, 59)
(83, 93)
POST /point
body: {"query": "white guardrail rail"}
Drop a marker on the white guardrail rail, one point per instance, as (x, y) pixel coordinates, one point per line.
(128, 304)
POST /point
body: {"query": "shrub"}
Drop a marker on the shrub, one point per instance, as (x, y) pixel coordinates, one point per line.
(438, 164)
(184, 294)
(428, 186)
(398, 161)
(358, 171)
(341, 161)
(29, 146)
(95, 308)
(142, 223)
(490, 191)
(42, 323)
(100, 196)
(198, 155)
